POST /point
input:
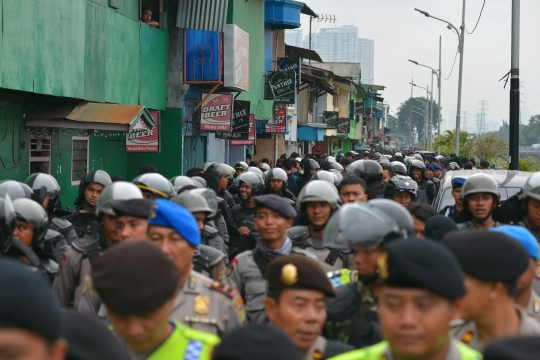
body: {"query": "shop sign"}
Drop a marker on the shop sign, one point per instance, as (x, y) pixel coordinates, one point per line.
(344, 125)
(277, 125)
(144, 138)
(359, 108)
(282, 85)
(240, 121)
(250, 136)
(288, 64)
(331, 119)
(216, 113)
(236, 58)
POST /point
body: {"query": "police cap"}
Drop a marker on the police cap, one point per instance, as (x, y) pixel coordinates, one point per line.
(458, 182)
(277, 204)
(134, 277)
(139, 208)
(487, 255)
(514, 348)
(421, 264)
(297, 272)
(168, 214)
(430, 166)
(437, 167)
(524, 236)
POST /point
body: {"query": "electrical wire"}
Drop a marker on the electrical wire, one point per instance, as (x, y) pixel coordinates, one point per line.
(480, 16)
(452, 70)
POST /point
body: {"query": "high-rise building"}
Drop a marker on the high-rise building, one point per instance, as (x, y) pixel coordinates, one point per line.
(366, 58)
(294, 37)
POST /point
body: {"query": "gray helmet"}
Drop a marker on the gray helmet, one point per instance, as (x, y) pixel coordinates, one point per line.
(156, 184)
(417, 164)
(398, 154)
(253, 179)
(179, 182)
(408, 160)
(212, 200)
(369, 170)
(199, 182)
(360, 226)
(95, 176)
(323, 175)
(119, 190)
(330, 163)
(384, 160)
(277, 173)
(399, 167)
(311, 164)
(418, 157)
(338, 175)
(397, 212)
(192, 202)
(255, 170)
(34, 214)
(206, 165)
(479, 183)
(218, 170)
(399, 184)
(16, 189)
(7, 221)
(531, 187)
(43, 185)
(319, 191)
(264, 167)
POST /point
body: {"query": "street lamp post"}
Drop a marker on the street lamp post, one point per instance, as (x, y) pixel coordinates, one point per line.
(461, 37)
(428, 94)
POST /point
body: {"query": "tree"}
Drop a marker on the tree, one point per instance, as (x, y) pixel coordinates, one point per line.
(490, 148)
(448, 140)
(400, 126)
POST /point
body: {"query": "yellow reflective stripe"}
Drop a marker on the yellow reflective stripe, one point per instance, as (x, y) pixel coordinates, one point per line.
(345, 277)
(144, 187)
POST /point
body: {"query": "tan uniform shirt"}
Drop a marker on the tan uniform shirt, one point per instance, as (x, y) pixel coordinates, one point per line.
(345, 261)
(68, 282)
(244, 274)
(466, 332)
(452, 354)
(533, 307)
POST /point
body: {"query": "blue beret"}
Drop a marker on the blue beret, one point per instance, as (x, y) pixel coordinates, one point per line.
(522, 235)
(168, 214)
(430, 166)
(437, 167)
(458, 182)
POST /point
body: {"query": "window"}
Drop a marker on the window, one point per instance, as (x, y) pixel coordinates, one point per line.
(79, 158)
(40, 154)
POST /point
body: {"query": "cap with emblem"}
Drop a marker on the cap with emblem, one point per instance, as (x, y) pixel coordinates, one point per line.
(27, 302)
(514, 348)
(277, 204)
(458, 182)
(421, 264)
(134, 277)
(430, 167)
(524, 236)
(168, 214)
(297, 272)
(139, 208)
(487, 255)
(261, 342)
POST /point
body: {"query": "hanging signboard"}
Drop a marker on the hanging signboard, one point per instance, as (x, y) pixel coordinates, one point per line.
(143, 137)
(344, 125)
(288, 64)
(240, 121)
(331, 119)
(279, 122)
(216, 113)
(282, 85)
(250, 136)
(236, 58)
(359, 108)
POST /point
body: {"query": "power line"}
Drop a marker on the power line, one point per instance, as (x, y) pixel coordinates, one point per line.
(481, 10)
(455, 57)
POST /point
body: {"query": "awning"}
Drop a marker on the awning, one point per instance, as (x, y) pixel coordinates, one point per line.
(308, 133)
(263, 110)
(297, 52)
(306, 10)
(202, 14)
(88, 115)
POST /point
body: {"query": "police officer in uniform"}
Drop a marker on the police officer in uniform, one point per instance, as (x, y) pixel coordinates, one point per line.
(225, 176)
(276, 183)
(8, 221)
(310, 167)
(417, 171)
(216, 225)
(372, 173)
(401, 189)
(154, 186)
(430, 169)
(75, 264)
(296, 304)
(201, 303)
(492, 262)
(480, 196)
(139, 284)
(247, 270)
(239, 168)
(316, 202)
(452, 210)
(420, 293)
(90, 189)
(399, 168)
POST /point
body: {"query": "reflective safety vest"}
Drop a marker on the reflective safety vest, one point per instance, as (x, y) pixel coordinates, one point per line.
(376, 352)
(342, 277)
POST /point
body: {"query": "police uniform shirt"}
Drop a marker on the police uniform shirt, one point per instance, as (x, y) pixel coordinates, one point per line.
(533, 307)
(324, 349)
(68, 282)
(466, 332)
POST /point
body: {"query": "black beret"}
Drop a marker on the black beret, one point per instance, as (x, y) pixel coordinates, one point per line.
(134, 277)
(27, 301)
(514, 348)
(438, 226)
(277, 204)
(133, 207)
(261, 342)
(297, 272)
(89, 338)
(422, 264)
(487, 255)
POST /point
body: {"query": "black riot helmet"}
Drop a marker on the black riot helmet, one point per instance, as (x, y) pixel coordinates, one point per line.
(34, 214)
(417, 164)
(369, 170)
(344, 230)
(311, 164)
(329, 163)
(96, 176)
(16, 189)
(44, 185)
(8, 221)
(157, 184)
(397, 212)
(254, 180)
(399, 168)
(399, 184)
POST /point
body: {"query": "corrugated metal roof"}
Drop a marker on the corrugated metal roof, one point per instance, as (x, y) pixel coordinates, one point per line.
(202, 14)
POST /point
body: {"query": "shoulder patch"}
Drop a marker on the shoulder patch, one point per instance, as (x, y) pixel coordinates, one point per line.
(467, 337)
(231, 266)
(225, 289)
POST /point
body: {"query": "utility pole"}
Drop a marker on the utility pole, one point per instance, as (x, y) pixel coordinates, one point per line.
(461, 47)
(426, 120)
(439, 102)
(514, 89)
(410, 116)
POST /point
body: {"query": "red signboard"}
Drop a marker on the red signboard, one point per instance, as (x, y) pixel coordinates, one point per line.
(251, 134)
(216, 112)
(278, 126)
(143, 138)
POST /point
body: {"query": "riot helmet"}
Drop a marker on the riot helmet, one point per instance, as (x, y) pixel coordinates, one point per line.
(531, 187)
(398, 213)
(199, 182)
(277, 173)
(329, 163)
(384, 160)
(480, 183)
(119, 190)
(264, 167)
(156, 184)
(399, 184)
(399, 168)
(32, 213)
(179, 182)
(212, 200)
(368, 170)
(96, 176)
(255, 170)
(311, 164)
(219, 170)
(241, 166)
(206, 165)
(192, 202)
(417, 164)
(338, 175)
(315, 191)
(7, 221)
(44, 185)
(253, 180)
(418, 157)
(324, 176)
(16, 189)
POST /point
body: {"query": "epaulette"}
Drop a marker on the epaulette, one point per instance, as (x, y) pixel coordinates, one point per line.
(225, 289)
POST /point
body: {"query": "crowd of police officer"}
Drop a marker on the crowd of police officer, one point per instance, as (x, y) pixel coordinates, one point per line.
(318, 257)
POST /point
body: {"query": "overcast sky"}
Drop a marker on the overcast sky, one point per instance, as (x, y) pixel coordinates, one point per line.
(400, 33)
